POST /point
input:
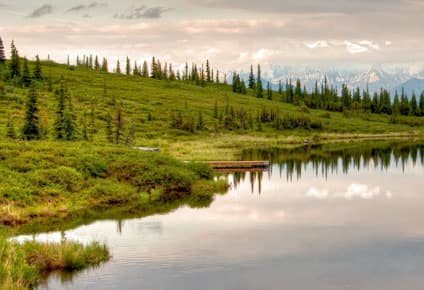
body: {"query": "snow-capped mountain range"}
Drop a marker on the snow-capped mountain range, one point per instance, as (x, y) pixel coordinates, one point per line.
(392, 78)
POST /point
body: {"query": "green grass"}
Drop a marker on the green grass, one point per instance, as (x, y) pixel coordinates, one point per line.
(141, 97)
(47, 179)
(23, 265)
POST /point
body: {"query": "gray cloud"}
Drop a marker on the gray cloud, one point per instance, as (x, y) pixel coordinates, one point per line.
(92, 5)
(304, 6)
(41, 11)
(143, 12)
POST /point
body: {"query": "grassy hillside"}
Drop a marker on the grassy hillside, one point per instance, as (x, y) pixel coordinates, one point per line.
(150, 106)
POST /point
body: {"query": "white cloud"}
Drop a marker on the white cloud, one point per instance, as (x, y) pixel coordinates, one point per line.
(361, 191)
(355, 48)
(318, 44)
(319, 194)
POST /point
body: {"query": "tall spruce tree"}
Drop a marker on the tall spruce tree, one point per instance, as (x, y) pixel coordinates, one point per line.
(259, 87)
(145, 70)
(26, 76)
(2, 53)
(208, 72)
(119, 125)
(421, 104)
(37, 74)
(15, 64)
(251, 83)
(128, 67)
(30, 130)
(61, 97)
(118, 67)
(414, 105)
(105, 67)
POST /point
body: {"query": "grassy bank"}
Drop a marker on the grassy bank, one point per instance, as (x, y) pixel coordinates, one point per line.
(41, 180)
(23, 265)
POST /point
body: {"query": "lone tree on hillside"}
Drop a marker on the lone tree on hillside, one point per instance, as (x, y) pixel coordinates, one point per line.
(26, 77)
(259, 87)
(31, 129)
(15, 65)
(2, 54)
(38, 75)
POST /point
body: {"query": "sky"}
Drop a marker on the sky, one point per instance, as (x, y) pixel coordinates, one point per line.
(231, 34)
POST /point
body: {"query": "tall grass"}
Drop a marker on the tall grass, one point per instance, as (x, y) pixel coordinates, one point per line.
(23, 265)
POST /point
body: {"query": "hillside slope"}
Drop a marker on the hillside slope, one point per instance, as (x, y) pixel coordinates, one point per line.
(150, 106)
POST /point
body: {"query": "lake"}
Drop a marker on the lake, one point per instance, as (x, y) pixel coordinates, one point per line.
(349, 217)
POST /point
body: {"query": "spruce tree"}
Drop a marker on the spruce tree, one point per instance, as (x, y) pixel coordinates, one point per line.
(118, 67)
(128, 67)
(269, 91)
(135, 70)
(96, 63)
(2, 53)
(421, 104)
(145, 70)
(15, 64)
(37, 74)
(259, 87)
(208, 72)
(26, 77)
(61, 96)
(119, 125)
(31, 131)
(104, 68)
(414, 105)
(251, 83)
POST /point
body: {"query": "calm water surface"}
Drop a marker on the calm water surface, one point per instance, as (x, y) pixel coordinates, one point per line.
(350, 219)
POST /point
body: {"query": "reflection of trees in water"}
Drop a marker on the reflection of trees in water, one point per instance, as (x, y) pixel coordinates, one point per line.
(328, 160)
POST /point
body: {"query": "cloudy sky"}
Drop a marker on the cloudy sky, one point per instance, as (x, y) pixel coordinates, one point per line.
(232, 34)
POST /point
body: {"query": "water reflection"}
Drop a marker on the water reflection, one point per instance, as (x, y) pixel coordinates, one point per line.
(325, 218)
(291, 163)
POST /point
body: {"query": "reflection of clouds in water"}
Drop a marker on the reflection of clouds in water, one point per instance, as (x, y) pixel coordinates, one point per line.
(319, 194)
(361, 191)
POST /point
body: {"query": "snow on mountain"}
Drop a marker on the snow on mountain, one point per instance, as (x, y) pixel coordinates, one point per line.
(375, 77)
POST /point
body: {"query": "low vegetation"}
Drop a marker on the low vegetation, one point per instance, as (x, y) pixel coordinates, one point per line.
(23, 265)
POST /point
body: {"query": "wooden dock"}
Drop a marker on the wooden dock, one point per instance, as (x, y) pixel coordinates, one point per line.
(244, 165)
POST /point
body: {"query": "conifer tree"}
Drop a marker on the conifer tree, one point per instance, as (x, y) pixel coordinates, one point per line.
(119, 125)
(118, 67)
(96, 63)
(104, 68)
(129, 140)
(200, 123)
(154, 69)
(145, 70)
(421, 104)
(217, 77)
(208, 72)
(269, 91)
(37, 74)
(61, 97)
(30, 130)
(414, 105)
(26, 77)
(251, 82)
(15, 64)
(128, 67)
(2, 53)
(135, 70)
(259, 87)
(404, 104)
